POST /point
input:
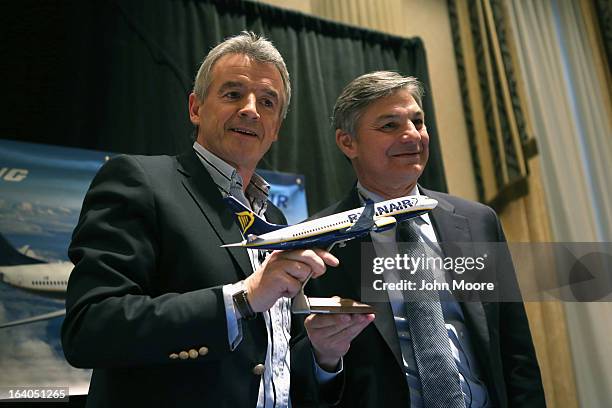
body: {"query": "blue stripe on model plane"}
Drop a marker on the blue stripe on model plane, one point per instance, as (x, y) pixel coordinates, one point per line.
(316, 241)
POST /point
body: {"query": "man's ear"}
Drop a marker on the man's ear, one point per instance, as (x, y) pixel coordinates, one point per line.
(194, 109)
(346, 143)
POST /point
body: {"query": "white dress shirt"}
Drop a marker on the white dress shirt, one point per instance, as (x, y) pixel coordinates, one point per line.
(275, 382)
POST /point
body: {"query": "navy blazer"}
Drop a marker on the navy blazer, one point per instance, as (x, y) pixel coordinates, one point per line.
(374, 373)
(147, 284)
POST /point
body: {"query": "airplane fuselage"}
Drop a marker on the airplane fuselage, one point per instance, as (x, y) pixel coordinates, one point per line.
(323, 232)
(45, 279)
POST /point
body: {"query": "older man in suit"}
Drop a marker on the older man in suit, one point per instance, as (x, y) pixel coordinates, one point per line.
(164, 315)
(421, 353)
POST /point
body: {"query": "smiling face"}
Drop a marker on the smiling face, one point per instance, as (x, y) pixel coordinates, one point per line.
(239, 118)
(391, 146)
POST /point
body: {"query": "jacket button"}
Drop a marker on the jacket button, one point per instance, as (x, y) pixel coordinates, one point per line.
(203, 351)
(183, 355)
(173, 356)
(259, 369)
(193, 353)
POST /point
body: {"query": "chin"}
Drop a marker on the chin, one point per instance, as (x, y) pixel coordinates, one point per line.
(409, 168)
(410, 177)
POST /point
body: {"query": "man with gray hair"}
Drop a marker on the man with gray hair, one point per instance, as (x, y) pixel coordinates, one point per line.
(420, 353)
(163, 313)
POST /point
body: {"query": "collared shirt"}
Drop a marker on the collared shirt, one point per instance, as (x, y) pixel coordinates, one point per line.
(274, 387)
(474, 390)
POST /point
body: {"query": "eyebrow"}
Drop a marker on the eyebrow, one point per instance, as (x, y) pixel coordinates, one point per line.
(271, 93)
(417, 114)
(230, 85)
(239, 85)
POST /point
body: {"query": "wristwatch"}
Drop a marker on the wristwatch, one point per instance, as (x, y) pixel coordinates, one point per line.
(241, 301)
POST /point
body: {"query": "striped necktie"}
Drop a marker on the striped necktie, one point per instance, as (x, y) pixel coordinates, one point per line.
(437, 369)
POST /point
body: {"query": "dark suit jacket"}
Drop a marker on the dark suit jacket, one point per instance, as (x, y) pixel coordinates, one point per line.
(147, 283)
(374, 375)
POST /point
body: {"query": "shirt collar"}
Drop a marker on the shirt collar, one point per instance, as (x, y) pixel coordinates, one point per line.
(222, 173)
(364, 193)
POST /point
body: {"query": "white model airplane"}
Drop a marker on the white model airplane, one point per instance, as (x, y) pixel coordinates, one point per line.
(35, 276)
(327, 231)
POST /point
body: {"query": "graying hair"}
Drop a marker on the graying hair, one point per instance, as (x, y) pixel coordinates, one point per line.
(362, 91)
(252, 45)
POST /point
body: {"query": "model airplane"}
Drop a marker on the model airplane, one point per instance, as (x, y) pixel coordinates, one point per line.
(327, 231)
(33, 275)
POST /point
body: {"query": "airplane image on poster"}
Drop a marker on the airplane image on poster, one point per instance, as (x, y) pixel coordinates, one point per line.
(41, 192)
(33, 275)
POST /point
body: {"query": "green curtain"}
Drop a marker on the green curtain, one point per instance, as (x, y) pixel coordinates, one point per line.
(115, 75)
(506, 135)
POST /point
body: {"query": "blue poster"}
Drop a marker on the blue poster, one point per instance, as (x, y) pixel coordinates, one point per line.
(287, 192)
(41, 191)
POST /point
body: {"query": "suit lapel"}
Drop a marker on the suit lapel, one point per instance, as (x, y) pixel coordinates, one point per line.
(452, 228)
(351, 256)
(385, 324)
(205, 193)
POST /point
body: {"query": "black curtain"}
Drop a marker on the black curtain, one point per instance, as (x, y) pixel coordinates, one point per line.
(115, 75)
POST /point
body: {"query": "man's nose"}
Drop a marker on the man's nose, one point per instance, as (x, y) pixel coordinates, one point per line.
(410, 133)
(249, 109)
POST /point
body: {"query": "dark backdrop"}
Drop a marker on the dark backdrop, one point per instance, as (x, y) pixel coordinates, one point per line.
(115, 75)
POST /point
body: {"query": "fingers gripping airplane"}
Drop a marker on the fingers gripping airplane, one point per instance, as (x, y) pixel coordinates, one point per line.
(327, 231)
(33, 275)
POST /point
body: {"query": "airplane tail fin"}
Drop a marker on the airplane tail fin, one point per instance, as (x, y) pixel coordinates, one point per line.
(249, 222)
(11, 256)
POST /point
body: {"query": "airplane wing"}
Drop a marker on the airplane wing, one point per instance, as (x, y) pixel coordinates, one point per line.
(46, 316)
(365, 220)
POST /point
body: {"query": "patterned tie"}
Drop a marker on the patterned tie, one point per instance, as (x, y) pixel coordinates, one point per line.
(436, 366)
(237, 192)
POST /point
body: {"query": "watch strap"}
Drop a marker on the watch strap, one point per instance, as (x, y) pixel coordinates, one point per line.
(241, 301)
